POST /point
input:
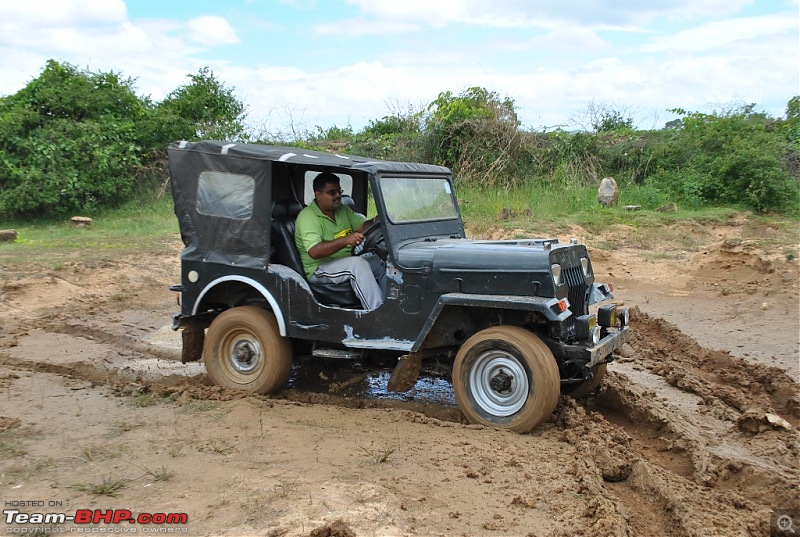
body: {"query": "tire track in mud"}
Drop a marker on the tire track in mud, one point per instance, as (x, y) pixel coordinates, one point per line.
(673, 444)
(685, 442)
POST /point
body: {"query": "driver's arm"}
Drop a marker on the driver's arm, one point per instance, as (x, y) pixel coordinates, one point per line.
(328, 248)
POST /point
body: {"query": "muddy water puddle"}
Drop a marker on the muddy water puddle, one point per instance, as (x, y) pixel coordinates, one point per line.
(347, 378)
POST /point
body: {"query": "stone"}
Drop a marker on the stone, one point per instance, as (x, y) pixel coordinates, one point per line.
(81, 221)
(608, 193)
(8, 235)
(668, 208)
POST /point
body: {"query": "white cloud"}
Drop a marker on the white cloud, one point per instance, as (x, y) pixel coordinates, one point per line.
(44, 13)
(211, 30)
(717, 34)
(545, 13)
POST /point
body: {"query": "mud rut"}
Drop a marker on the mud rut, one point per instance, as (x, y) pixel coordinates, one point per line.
(680, 440)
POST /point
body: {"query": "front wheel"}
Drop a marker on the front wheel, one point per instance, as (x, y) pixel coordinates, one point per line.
(506, 377)
(587, 387)
(244, 350)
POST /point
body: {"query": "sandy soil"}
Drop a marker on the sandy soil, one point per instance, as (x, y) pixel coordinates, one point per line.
(695, 431)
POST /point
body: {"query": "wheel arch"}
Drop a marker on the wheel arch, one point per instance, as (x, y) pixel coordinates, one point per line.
(452, 323)
(257, 288)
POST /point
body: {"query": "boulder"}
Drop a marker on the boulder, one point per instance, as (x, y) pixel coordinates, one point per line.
(8, 235)
(608, 193)
(81, 221)
(668, 208)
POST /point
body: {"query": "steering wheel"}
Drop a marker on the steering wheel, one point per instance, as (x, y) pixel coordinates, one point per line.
(373, 241)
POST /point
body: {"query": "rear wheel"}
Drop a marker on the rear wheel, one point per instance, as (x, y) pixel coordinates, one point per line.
(244, 350)
(506, 377)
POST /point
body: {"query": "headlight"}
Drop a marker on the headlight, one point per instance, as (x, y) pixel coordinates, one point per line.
(624, 317)
(587, 329)
(557, 277)
(585, 266)
(607, 315)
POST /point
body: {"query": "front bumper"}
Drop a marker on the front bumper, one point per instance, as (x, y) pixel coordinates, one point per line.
(591, 356)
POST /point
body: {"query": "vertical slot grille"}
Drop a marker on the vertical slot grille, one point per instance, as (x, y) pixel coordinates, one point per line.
(577, 290)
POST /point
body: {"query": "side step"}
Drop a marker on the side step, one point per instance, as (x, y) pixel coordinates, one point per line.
(338, 354)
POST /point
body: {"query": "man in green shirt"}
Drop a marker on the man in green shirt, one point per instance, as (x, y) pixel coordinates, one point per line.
(325, 233)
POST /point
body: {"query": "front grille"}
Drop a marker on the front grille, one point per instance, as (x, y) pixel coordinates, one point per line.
(577, 290)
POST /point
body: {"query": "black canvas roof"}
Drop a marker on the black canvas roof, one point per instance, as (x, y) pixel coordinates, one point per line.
(297, 155)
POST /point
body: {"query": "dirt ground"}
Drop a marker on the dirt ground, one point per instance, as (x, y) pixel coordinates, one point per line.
(694, 432)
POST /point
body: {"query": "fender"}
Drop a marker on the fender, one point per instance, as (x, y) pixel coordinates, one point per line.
(548, 307)
(276, 309)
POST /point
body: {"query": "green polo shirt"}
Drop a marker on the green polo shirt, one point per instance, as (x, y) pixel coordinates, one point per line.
(313, 227)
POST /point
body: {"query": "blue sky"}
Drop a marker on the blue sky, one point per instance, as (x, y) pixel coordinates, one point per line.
(298, 64)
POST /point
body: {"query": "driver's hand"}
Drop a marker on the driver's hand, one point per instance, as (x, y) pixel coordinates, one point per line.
(354, 238)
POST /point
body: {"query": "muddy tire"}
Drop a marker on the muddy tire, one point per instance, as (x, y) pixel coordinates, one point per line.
(589, 386)
(244, 350)
(506, 377)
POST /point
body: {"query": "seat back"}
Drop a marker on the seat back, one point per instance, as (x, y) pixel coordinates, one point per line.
(284, 214)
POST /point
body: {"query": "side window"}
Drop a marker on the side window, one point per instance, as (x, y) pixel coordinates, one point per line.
(225, 194)
(345, 181)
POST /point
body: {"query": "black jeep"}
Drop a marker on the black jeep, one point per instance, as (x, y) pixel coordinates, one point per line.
(512, 315)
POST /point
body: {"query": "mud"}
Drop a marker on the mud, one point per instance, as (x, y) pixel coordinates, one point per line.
(694, 431)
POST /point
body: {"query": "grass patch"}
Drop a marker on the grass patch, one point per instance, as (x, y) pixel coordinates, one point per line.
(161, 474)
(138, 226)
(378, 456)
(107, 487)
(99, 453)
(11, 441)
(121, 427)
(32, 469)
(145, 399)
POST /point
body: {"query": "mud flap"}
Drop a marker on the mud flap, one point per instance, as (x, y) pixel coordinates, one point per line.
(405, 373)
(193, 336)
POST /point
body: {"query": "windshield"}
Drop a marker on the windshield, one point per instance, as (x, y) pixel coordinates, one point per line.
(417, 199)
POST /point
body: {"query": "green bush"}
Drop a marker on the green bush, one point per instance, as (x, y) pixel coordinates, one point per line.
(74, 140)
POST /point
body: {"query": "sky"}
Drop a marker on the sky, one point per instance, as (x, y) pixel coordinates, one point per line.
(302, 64)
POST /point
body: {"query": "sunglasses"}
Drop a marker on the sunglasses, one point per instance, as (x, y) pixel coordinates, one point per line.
(332, 192)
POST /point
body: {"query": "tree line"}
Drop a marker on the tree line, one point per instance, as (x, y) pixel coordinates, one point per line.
(73, 140)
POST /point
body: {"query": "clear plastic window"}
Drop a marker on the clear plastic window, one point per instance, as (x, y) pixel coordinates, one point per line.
(226, 195)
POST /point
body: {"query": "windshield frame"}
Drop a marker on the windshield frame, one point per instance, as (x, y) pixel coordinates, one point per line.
(397, 191)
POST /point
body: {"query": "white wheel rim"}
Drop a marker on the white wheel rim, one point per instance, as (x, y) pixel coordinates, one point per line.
(245, 355)
(498, 383)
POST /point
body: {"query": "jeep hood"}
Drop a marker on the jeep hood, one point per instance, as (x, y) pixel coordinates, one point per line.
(530, 255)
(514, 268)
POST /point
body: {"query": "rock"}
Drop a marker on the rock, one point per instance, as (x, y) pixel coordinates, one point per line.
(633, 207)
(755, 421)
(8, 235)
(81, 221)
(506, 213)
(608, 193)
(337, 528)
(668, 208)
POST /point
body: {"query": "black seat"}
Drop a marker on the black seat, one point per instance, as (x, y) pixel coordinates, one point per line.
(284, 214)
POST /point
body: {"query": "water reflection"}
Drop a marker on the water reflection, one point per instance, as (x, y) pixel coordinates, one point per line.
(348, 378)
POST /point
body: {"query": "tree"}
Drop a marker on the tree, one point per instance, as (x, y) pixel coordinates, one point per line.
(475, 133)
(203, 109)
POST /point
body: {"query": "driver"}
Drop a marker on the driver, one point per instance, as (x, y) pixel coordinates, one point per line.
(324, 236)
